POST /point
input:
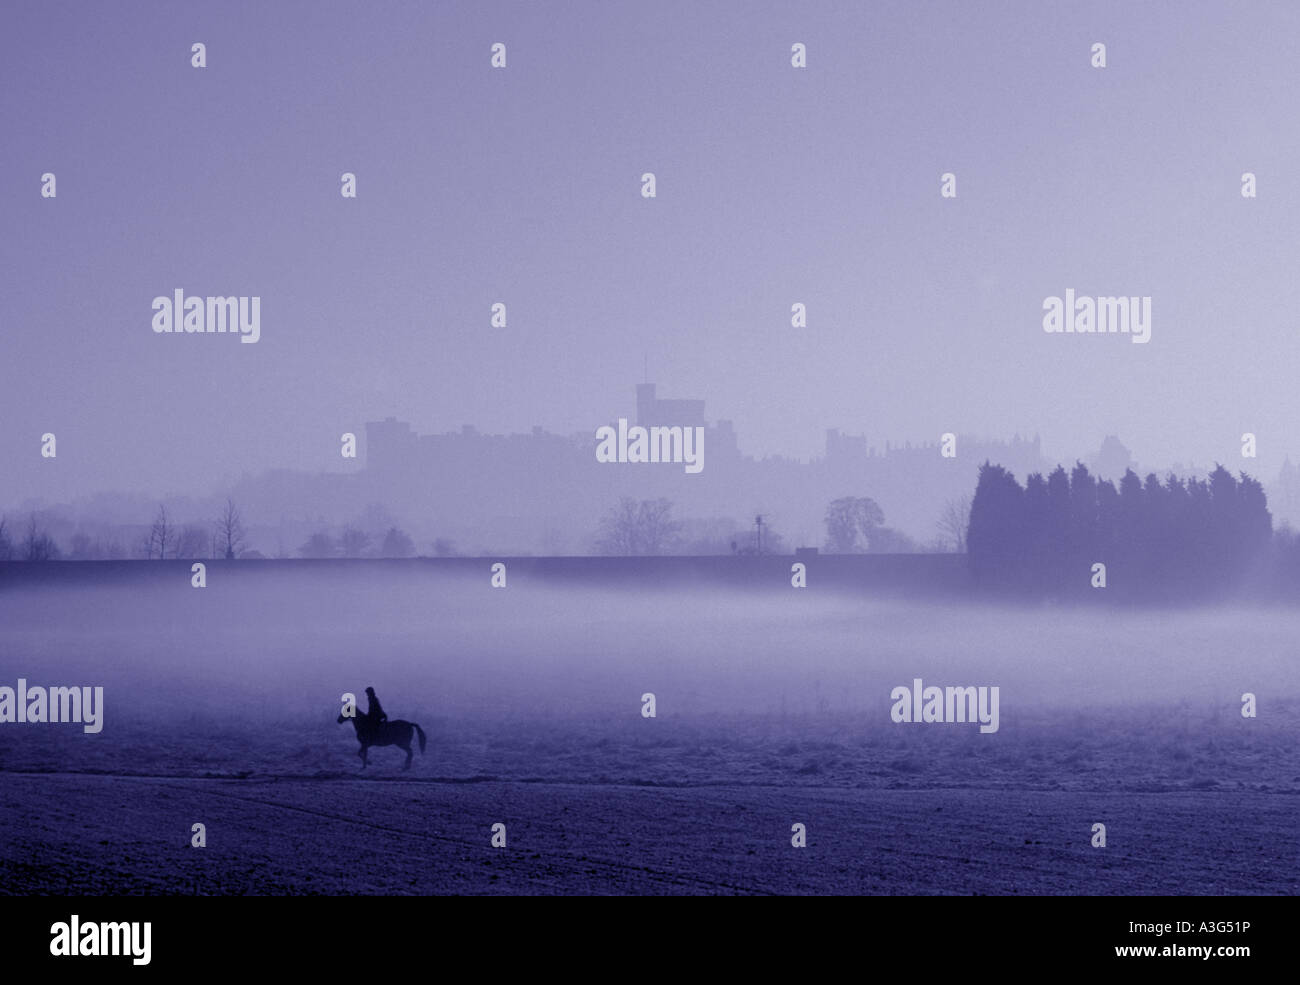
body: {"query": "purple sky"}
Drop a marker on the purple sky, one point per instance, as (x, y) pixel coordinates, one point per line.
(775, 185)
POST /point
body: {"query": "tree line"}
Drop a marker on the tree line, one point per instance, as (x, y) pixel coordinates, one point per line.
(164, 539)
(1155, 538)
(854, 525)
(226, 536)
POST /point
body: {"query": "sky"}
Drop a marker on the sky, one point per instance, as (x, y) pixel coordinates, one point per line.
(522, 185)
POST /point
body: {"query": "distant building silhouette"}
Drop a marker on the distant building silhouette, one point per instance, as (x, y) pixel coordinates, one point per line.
(543, 491)
(652, 410)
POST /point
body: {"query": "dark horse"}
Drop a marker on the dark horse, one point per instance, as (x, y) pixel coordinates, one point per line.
(396, 733)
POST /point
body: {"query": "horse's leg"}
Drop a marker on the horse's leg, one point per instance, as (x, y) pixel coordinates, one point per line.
(364, 760)
(403, 741)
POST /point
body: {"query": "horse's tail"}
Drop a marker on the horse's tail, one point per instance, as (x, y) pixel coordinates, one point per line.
(420, 732)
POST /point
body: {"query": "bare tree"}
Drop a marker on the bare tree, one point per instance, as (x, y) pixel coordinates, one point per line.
(397, 544)
(953, 523)
(38, 545)
(190, 541)
(658, 530)
(230, 530)
(847, 518)
(633, 528)
(6, 544)
(354, 542)
(161, 535)
(319, 544)
(618, 529)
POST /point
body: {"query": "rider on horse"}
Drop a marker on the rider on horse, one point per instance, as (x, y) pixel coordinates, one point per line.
(374, 729)
(374, 710)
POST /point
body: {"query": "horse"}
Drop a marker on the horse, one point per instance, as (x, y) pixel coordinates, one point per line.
(394, 733)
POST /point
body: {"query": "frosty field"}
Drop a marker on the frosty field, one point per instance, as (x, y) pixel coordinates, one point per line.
(772, 708)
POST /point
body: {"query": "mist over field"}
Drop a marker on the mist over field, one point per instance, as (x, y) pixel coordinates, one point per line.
(263, 641)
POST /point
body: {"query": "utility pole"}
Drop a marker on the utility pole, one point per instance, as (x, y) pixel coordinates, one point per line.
(758, 537)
